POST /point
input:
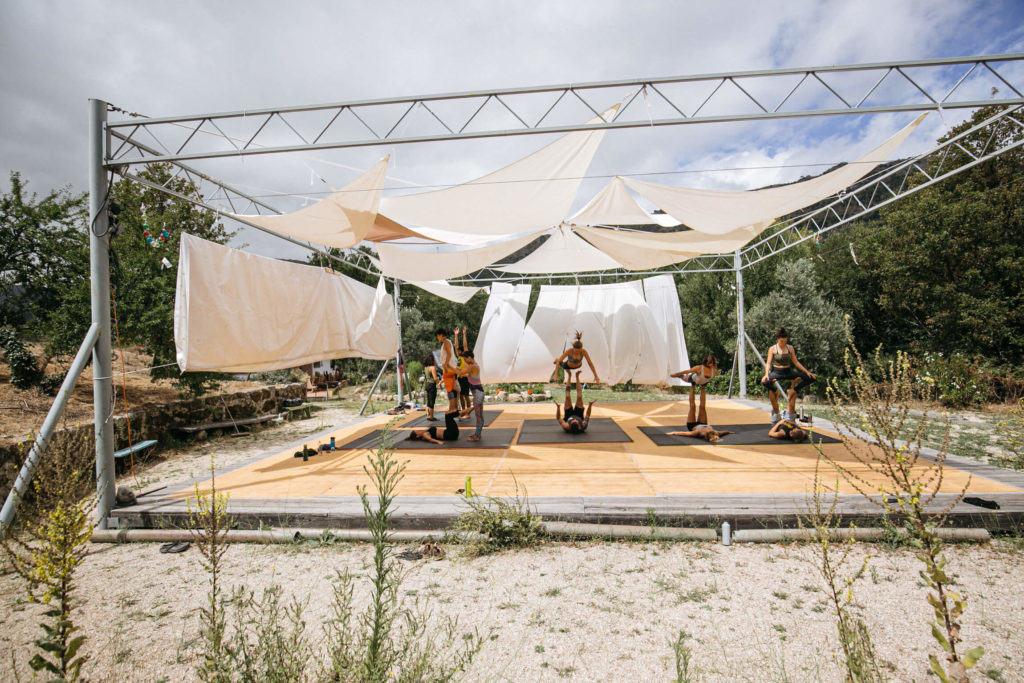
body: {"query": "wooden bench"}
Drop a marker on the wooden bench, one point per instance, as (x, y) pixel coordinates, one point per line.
(304, 412)
(228, 424)
(121, 455)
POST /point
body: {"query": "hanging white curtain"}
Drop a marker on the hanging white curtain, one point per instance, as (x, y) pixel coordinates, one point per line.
(502, 326)
(719, 212)
(563, 252)
(619, 333)
(663, 299)
(533, 193)
(238, 312)
(342, 219)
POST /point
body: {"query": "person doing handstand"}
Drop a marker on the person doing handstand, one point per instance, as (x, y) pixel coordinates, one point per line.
(572, 360)
(697, 422)
(787, 429)
(450, 433)
(780, 365)
(575, 421)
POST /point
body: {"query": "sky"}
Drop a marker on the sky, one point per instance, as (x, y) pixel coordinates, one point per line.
(188, 56)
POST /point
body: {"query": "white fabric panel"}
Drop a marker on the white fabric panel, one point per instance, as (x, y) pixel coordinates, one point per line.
(423, 265)
(459, 295)
(619, 333)
(238, 312)
(532, 193)
(501, 329)
(646, 250)
(663, 300)
(615, 206)
(719, 212)
(342, 219)
(563, 252)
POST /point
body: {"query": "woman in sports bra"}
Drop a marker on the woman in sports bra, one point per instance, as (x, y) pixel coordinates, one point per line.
(786, 429)
(450, 433)
(780, 365)
(572, 360)
(700, 374)
(471, 373)
(575, 420)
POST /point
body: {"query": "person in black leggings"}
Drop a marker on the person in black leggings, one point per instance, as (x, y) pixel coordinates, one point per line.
(781, 365)
(450, 433)
(430, 384)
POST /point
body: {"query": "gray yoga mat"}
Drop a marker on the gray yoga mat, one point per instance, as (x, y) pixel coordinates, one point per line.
(599, 430)
(746, 435)
(422, 421)
(491, 438)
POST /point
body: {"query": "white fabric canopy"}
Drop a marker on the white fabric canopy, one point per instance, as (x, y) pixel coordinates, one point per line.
(459, 295)
(663, 300)
(719, 212)
(501, 329)
(646, 250)
(532, 193)
(615, 206)
(563, 252)
(238, 312)
(342, 219)
(619, 333)
(426, 265)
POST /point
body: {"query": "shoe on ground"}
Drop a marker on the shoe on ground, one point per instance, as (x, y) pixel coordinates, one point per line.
(776, 417)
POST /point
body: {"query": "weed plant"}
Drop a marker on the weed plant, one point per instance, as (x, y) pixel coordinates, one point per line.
(46, 552)
(686, 672)
(876, 401)
(497, 524)
(1013, 436)
(833, 565)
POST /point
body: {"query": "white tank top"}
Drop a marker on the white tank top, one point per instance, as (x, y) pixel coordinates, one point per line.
(698, 378)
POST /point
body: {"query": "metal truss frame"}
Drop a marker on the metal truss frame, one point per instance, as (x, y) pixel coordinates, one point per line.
(734, 96)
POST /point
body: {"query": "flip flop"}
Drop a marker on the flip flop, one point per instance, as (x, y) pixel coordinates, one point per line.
(175, 547)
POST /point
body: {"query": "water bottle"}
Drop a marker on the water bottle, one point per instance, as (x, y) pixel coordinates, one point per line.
(726, 534)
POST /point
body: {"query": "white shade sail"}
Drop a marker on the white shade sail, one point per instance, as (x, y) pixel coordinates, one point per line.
(342, 219)
(719, 212)
(532, 193)
(459, 295)
(501, 329)
(615, 206)
(238, 312)
(563, 252)
(635, 250)
(423, 265)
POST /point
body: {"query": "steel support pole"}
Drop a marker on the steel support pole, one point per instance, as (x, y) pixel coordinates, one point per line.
(741, 333)
(46, 431)
(374, 387)
(99, 275)
(399, 365)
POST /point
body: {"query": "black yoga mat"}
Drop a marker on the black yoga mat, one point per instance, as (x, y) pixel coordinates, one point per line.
(746, 435)
(599, 430)
(491, 438)
(422, 421)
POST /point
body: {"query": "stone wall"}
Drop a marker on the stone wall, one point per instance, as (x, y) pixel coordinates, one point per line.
(155, 421)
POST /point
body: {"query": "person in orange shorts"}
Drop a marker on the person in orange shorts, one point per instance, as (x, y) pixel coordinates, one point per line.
(449, 368)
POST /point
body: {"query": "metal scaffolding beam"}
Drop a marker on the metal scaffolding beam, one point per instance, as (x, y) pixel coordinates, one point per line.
(899, 86)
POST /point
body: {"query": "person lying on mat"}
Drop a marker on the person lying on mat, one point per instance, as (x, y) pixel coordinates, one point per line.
(572, 360)
(471, 373)
(450, 433)
(449, 365)
(699, 374)
(787, 429)
(575, 421)
(697, 422)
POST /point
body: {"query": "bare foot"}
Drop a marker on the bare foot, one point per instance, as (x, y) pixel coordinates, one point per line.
(474, 437)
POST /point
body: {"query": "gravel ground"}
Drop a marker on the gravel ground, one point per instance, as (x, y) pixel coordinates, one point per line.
(584, 612)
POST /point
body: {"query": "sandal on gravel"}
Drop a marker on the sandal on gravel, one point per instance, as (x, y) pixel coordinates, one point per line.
(175, 547)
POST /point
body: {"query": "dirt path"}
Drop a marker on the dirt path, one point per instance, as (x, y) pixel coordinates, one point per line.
(580, 612)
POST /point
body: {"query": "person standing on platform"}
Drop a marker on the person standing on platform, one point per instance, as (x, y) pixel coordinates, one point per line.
(780, 365)
(449, 368)
(430, 384)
